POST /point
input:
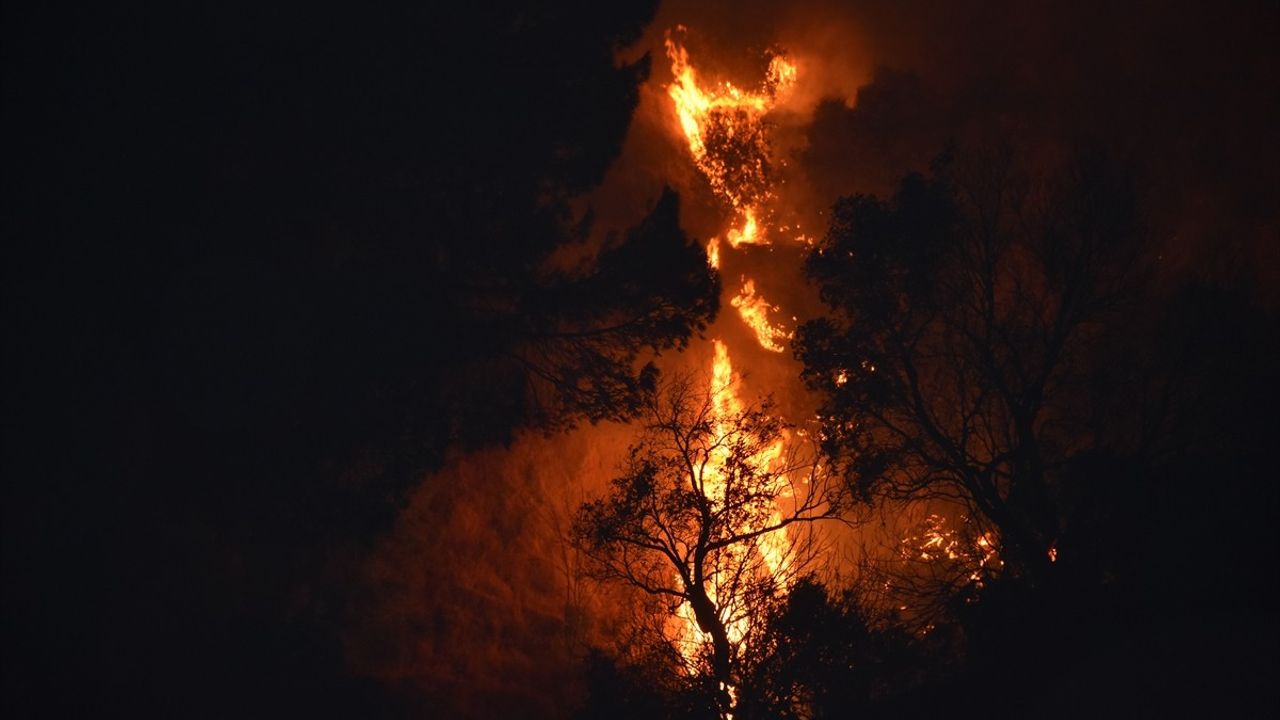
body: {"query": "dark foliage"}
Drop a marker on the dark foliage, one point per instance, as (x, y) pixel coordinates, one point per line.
(1033, 378)
(966, 316)
(263, 266)
(825, 657)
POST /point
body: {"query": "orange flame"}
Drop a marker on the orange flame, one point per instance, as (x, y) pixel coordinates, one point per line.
(713, 253)
(750, 233)
(725, 129)
(755, 310)
(775, 546)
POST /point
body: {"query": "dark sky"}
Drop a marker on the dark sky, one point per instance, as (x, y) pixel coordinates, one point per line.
(265, 268)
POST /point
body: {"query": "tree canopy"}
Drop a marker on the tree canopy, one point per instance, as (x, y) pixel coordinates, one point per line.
(966, 313)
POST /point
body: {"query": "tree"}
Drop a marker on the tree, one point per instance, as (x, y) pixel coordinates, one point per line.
(965, 313)
(824, 653)
(578, 338)
(696, 515)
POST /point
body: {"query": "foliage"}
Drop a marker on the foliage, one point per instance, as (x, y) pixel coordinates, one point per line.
(579, 337)
(965, 314)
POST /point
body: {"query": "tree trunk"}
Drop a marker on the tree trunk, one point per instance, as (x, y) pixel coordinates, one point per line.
(709, 622)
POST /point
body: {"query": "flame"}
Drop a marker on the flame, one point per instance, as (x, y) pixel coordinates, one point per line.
(726, 132)
(774, 547)
(750, 233)
(723, 388)
(755, 310)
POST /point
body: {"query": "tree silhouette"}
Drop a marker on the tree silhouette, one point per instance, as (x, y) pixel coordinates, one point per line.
(824, 654)
(578, 338)
(696, 515)
(955, 362)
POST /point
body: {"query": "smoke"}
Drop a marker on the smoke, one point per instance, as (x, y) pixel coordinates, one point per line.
(475, 600)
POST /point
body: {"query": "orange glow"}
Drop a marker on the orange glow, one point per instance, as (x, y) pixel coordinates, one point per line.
(726, 133)
(774, 547)
(725, 129)
(723, 390)
(975, 556)
(755, 310)
(750, 233)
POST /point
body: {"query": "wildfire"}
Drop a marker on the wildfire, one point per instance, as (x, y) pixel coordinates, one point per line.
(727, 135)
(774, 547)
(726, 132)
(755, 310)
(749, 234)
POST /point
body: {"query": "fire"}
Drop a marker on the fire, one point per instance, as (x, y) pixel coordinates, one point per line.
(749, 234)
(723, 389)
(727, 135)
(755, 310)
(975, 556)
(774, 547)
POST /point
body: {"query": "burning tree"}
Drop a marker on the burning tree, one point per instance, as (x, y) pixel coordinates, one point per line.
(967, 313)
(699, 516)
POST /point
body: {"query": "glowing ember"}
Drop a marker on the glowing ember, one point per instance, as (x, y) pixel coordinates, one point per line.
(934, 541)
(755, 310)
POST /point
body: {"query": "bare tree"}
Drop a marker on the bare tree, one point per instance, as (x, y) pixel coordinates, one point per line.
(698, 515)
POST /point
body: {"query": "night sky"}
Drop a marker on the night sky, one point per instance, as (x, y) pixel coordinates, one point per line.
(321, 324)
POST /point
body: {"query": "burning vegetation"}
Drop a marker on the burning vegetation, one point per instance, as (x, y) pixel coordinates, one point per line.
(707, 512)
(963, 316)
(813, 360)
